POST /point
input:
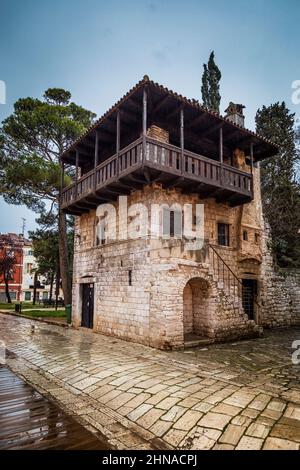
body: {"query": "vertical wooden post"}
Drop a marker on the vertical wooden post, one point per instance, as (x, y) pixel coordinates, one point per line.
(144, 123)
(251, 157)
(221, 154)
(221, 145)
(96, 158)
(76, 174)
(96, 149)
(182, 139)
(251, 165)
(118, 141)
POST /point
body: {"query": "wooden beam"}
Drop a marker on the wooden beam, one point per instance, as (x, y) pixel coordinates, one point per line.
(251, 164)
(144, 123)
(182, 138)
(76, 172)
(135, 103)
(230, 136)
(251, 156)
(174, 112)
(197, 120)
(221, 144)
(96, 149)
(147, 175)
(160, 104)
(211, 129)
(118, 140)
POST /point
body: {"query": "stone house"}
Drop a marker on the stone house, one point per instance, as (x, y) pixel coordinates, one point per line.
(154, 163)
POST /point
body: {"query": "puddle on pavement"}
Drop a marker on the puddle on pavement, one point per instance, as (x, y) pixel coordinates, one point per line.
(30, 421)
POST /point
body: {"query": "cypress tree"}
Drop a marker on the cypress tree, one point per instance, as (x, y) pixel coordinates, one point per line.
(211, 84)
(280, 188)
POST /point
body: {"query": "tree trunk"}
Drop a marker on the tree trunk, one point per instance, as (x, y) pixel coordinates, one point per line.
(51, 286)
(7, 291)
(63, 258)
(34, 287)
(57, 284)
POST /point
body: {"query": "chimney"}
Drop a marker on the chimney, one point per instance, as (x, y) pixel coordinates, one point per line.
(234, 113)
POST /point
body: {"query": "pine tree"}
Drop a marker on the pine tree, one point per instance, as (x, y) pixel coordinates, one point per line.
(280, 189)
(32, 139)
(211, 84)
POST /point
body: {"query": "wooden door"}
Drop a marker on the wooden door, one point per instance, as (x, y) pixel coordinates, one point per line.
(87, 305)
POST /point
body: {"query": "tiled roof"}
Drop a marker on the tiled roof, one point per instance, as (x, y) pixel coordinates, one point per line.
(191, 102)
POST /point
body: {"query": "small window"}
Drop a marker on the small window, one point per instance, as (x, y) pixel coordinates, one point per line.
(245, 235)
(100, 234)
(172, 223)
(256, 238)
(223, 234)
(27, 295)
(130, 277)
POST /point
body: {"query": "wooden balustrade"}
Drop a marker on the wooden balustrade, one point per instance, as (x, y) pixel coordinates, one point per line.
(164, 157)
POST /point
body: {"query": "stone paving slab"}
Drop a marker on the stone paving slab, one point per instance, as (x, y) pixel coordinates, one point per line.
(241, 395)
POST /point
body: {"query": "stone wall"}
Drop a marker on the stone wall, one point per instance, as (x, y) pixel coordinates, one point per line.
(151, 309)
(153, 291)
(280, 294)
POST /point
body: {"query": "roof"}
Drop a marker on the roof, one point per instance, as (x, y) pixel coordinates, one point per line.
(14, 240)
(267, 148)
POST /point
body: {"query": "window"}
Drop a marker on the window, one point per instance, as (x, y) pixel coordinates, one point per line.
(27, 295)
(245, 235)
(223, 234)
(172, 223)
(256, 238)
(100, 233)
(30, 253)
(130, 277)
(28, 268)
(45, 295)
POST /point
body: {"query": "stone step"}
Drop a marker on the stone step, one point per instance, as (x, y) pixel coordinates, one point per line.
(193, 341)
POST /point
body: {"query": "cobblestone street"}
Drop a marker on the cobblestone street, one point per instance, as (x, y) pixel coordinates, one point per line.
(242, 395)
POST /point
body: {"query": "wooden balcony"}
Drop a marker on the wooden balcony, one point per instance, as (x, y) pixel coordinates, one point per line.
(162, 163)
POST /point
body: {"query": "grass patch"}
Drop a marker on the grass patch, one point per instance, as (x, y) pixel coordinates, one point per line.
(6, 306)
(45, 313)
(25, 305)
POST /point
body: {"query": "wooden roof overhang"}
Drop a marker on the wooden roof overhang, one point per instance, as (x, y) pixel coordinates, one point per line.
(201, 126)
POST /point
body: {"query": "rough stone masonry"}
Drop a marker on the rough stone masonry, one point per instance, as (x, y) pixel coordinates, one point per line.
(155, 292)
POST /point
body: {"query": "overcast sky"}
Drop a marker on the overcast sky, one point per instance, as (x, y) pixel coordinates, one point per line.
(99, 49)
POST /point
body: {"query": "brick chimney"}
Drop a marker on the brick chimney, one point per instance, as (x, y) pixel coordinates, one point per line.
(234, 113)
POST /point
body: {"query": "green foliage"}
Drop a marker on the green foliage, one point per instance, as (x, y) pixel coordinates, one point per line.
(211, 84)
(280, 188)
(31, 141)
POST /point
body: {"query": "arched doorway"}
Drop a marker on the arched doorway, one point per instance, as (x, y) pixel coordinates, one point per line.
(197, 311)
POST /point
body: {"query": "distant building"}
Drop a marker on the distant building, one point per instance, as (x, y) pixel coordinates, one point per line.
(21, 286)
(11, 243)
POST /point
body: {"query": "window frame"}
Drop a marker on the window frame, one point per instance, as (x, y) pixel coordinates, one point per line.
(225, 235)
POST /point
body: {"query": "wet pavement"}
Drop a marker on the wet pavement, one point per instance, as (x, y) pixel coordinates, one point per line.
(242, 395)
(29, 421)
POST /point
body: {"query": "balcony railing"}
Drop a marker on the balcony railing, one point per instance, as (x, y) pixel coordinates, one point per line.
(165, 158)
